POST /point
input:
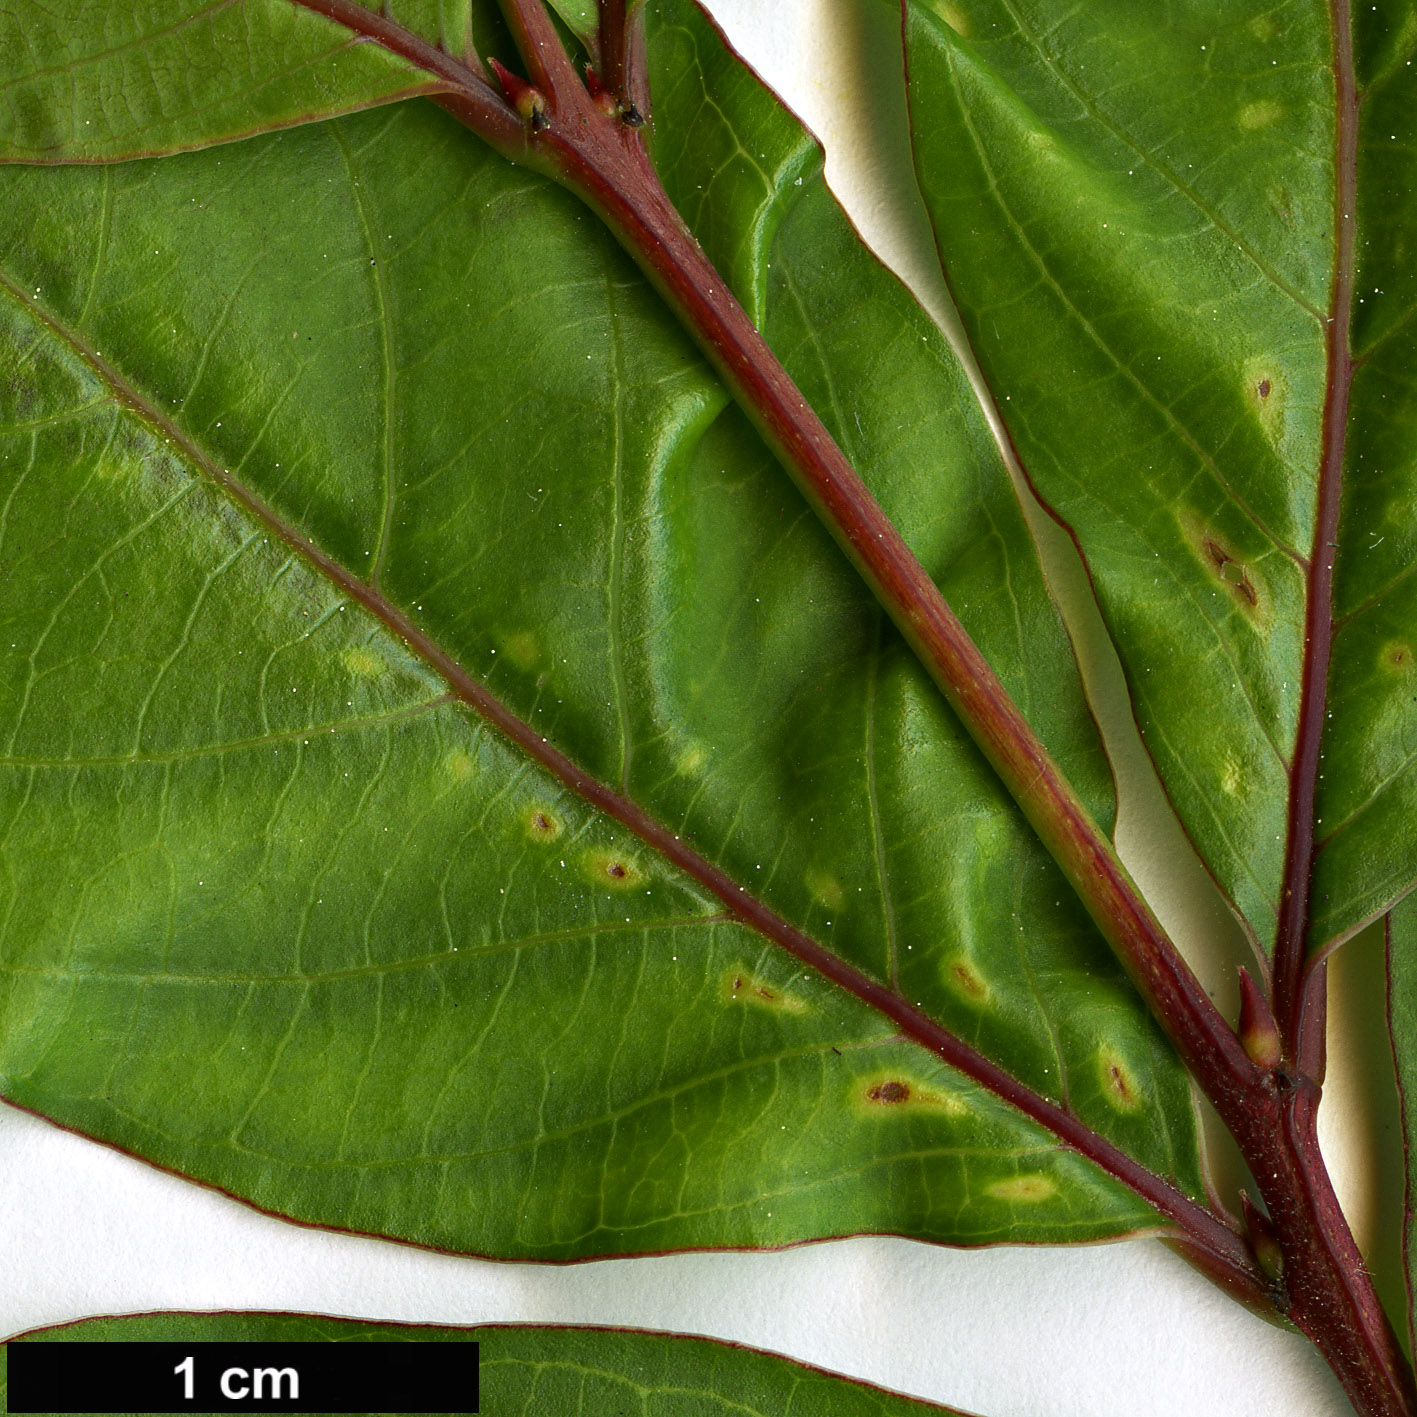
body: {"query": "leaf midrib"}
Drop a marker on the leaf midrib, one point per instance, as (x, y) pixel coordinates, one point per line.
(1298, 988)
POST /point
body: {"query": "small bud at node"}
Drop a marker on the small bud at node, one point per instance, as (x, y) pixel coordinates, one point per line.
(528, 101)
(1263, 1240)
(1259, 1034)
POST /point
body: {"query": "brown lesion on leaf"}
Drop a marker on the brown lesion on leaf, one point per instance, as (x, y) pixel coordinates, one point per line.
(1266, 390)
(891, 1091)
(613, 869)
(1232, 572)
(542, 824)
(742, 986)
(963, 978)
(1237, 578)
(1119, 1083)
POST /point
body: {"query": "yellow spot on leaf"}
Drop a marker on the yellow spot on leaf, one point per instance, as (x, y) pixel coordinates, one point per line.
(953, 16)
(691, 760)
(1119, 1084)
(612, 869)
(1396, 657)
(363, 662)
(1232, 774)
(1281, 201)
(1264, 28)
(522, 649)
(458, 765)
(825, 889)
(1261, 113)
(1024, 1190)
(741, 986)
(1406, 35)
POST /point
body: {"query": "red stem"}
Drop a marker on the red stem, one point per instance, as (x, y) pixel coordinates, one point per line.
(613, 33)
(1326, 1289)
(623, 66)
(607, 166)
(548, 65)
(1331, 1296)
(478, 104)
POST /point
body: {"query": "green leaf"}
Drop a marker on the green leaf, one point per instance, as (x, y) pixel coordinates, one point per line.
(580, 16)
(1138, 223)
(1368, 797)
(89, 81)
(529, 1372)
(316, 443)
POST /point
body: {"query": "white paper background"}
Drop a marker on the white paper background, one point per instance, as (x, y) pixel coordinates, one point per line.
(1123, 1330)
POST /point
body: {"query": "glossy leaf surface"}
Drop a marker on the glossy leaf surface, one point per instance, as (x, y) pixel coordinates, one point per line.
(264, 400)
(1138, 222)
(531, 1372)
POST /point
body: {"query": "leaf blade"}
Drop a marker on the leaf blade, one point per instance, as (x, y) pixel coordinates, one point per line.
(1365, 795)
(98, 84)
(1209, 299)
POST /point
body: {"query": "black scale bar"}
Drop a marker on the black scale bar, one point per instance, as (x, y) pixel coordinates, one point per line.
(242, 1377)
